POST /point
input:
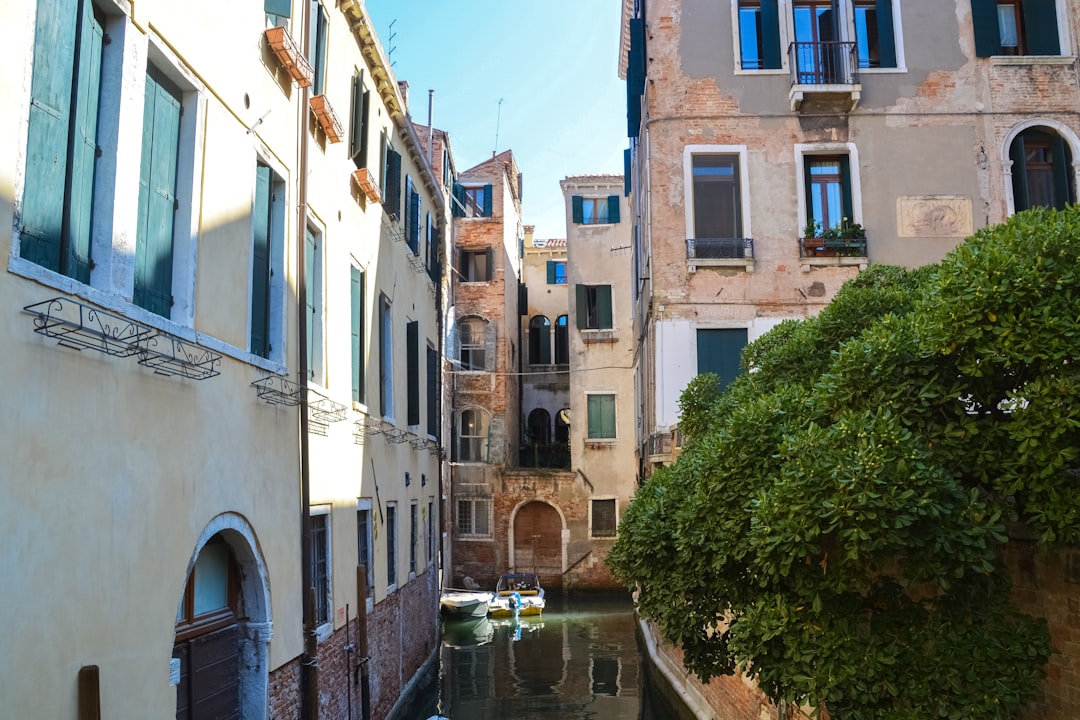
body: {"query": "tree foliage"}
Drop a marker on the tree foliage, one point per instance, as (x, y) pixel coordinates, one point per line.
(834, 525)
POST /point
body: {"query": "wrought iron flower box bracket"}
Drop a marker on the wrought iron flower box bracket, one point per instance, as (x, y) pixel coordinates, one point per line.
(375, 426)
(365, 180)
(277, 390)
(83, 327)
(327, 118)
(359, 432)
(418, 443)
(323, 410)
(395, 436)
(289, 56)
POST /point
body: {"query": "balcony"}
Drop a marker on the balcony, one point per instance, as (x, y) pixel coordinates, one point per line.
(554, 456)
(289, 56)
(720, 252)
(818, 251)
(824, 75)
(664, 447)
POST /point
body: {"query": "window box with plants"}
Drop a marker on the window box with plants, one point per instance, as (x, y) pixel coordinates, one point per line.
(846, 239)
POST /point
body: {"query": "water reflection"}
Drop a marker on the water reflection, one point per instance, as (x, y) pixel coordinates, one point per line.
(579, 660)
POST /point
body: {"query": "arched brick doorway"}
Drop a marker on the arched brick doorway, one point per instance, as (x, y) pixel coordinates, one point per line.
(538, 540)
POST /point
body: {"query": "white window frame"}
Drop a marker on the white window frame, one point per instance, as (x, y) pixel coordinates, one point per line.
(324, 630)
(277, 320)
(473, 500)
(802, 150)
(364, 504)
(391, 541)
(431, 530)
(785, 8)
(485, 453)
(689, 151)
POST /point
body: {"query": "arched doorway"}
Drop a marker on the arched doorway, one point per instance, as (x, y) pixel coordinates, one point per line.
(538, 540)
(219, 660)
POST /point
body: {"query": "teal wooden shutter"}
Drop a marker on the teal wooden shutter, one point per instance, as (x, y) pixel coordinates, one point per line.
(1041, 28)
(636, 71)
(278, 7)
(577, 209)
(356, 118)
(458, 206)
(601, 416)
(603, 307)
(260, 263)
(432, 392)
(412, 372)
(1060, 155)
(392, 186)
(313, 302)
(613, 209)
(317, 47)
(42, 210)
(886, 33)
(627, 162)
(770, 35)
(719, 352)
(359, 364)
(808, 190)
(985, 21)
(845, 188)
(489, 263)
(365, 113)
(581, 295)
(414, 220)
(157, 199)
(84, 147)
(487, 200)
(550, 272)
(1019, 174)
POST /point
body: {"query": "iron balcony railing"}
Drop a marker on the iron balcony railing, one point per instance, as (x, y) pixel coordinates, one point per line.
(832, 247)
(823, 63)
(719, 248)
(545, 455)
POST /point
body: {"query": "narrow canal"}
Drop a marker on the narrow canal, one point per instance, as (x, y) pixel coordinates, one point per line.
(581, 660)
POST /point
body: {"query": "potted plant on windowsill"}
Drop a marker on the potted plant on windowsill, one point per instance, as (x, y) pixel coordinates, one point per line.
(845, 238)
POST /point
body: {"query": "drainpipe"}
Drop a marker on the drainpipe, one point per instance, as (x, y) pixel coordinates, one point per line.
(430, 131)
(309, 661)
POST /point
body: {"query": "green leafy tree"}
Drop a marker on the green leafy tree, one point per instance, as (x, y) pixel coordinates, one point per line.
(834, 525)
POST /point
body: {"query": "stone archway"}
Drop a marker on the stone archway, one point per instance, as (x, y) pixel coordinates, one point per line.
(538, 539)
(234, 632)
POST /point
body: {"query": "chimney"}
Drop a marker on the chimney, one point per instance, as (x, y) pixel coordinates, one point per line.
(403, 88)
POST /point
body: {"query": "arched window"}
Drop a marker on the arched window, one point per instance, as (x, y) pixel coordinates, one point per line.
(1041, 170)
(562, 426)
(540, 426)
(562, 341)
(473, 436)
(472, 340)
(539, 341)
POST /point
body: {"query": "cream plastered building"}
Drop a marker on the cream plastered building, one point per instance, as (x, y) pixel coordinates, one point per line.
(179, 181)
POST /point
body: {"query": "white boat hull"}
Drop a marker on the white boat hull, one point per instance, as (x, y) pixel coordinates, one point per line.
(464, 604)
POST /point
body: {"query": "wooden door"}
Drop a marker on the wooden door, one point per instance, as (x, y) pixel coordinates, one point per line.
(538, 540)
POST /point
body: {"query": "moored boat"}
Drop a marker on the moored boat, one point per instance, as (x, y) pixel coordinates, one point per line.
(465, 603)
(517, 594)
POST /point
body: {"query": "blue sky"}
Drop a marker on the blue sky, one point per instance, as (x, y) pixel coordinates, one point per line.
(554, 64)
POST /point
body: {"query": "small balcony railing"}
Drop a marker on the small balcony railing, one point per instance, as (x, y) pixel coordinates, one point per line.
(823, 63)
(554, 456)
(719, 248)
(832, 247)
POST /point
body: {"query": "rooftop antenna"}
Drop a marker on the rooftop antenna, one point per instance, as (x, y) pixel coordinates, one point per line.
(390, 42)
(498, 118)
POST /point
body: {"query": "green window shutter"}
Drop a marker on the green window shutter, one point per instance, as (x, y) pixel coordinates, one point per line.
(458, 206)
(278, 7)
(582, 298)
(393, 182)
(487, 200)
(260, 263)
(613, 209)
(720, 352)
(1041, 28)
(1019, 174)
(770, 35)
(601, 416)
(577, 209)
(412, 372)
(42, 210)
(356, 118)
(550, 272)
(985, 21)
(635, 76)
(433, 392)
(603, 307)
(317, 47)
(357, 316)
(593, 416)
(886, 33)
(414, 220)
(808, 189)
(628, 165)
(365, 113)
(313, 275)
(157, 199)
(845, 188)
(84, 147)
(490, 252)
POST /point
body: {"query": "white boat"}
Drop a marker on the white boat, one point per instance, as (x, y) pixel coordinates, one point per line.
(517, 594)
(465, 603)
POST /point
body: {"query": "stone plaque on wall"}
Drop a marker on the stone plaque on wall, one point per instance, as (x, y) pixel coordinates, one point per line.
(934, 216)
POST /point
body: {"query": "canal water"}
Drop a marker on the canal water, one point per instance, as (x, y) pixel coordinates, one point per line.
(581, 660)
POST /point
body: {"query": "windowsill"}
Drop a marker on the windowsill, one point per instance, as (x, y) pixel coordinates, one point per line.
(592, 336)
(361, 407)
(473, 282)
(324, 631)
(770, 71)
(473, 538)
(860, 261)
(695, 263)
(1031, 60)
(392, 588)
(606, 442)
(114, 303)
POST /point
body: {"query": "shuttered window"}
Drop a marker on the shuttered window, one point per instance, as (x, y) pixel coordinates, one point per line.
(595, 210)
(157, 196)
(601, 417)
(260, 264)
(539, 341)
(391, 544)
(433, 389)
(719, 351)
(386, 359)
(412, 217)
(55, 215)
(412, 373)
(828, 191)
(593, 307)
(556, 272)
(392, 183)
(1040, 170)
(313, 302)
(357, 312)
(874, 33)
(604, 522)
(759, 34)
(359, 106)
(317, 47)
(1015, 27)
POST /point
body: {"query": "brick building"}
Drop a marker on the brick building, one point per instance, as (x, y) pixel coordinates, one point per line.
(777, 147)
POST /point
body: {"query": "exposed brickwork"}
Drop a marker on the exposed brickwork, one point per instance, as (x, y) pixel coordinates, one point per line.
(1047, 584)
(284, 691)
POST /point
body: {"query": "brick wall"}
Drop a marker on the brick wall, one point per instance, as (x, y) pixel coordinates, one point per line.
(284, 691)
